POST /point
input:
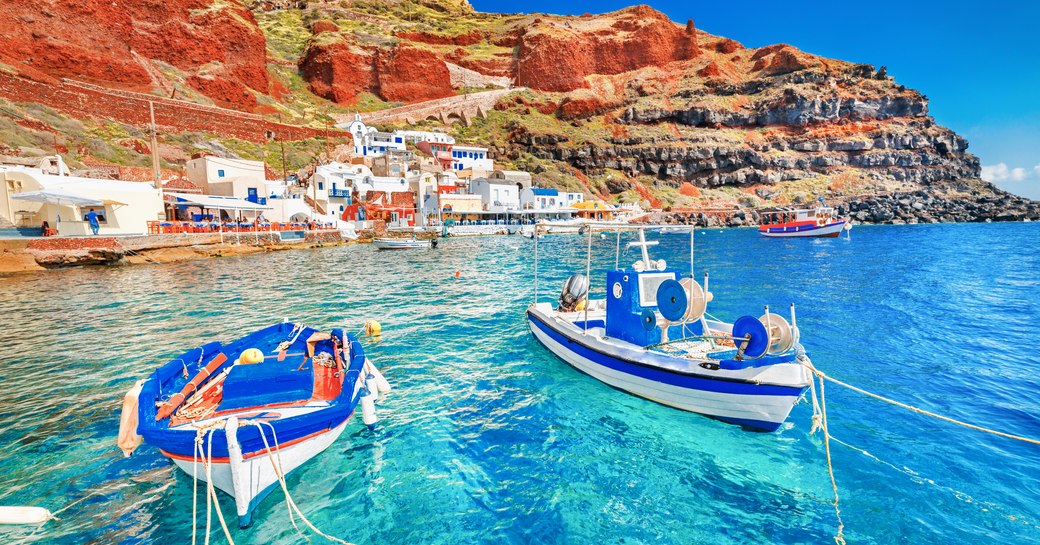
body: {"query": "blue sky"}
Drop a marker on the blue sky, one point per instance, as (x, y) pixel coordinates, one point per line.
(977, 62)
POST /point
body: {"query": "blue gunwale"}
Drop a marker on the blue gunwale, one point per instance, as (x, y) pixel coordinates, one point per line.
(684, 379)
(181, 442)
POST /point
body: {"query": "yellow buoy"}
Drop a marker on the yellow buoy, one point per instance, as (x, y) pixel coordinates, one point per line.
(373, 328)
(251, 355)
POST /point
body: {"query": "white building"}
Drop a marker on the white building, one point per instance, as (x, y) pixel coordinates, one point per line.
(368, 142)
(122, 208)
(471, 158)
(497, 195)
(570, 199)
(519, 177)
(537, 198)
(432, 137)
(237, 178)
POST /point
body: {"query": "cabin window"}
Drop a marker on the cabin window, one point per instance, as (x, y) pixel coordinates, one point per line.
(648, 284)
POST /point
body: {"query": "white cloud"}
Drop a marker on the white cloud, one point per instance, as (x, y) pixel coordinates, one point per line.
(1001, 173)
(1036, 169)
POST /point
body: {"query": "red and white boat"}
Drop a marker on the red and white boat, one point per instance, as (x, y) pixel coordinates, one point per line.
(816, 222)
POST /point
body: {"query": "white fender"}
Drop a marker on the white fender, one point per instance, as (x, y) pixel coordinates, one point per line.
(368, 404)
(12, 514)
(382, 385)
(239, 480)
(128, 439)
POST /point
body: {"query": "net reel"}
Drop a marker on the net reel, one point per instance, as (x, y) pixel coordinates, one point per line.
(781, 334)
(680, 301)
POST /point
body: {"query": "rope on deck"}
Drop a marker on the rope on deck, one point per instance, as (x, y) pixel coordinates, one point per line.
(819, 420)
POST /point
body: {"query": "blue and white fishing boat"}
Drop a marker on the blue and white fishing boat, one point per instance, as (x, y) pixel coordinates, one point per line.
(652, 337)
(242, 415)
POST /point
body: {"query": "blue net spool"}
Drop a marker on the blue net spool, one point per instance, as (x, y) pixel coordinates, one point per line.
(648, 319)
(672, 300)
(758, 344)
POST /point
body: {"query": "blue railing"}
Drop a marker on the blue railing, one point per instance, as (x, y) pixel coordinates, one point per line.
(339, 193)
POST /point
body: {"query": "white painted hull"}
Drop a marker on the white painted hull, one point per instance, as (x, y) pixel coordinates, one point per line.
(403, 244)
(829, 231)
(752, 409)
(256, 476)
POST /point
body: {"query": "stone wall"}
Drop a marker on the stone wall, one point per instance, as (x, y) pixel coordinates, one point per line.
(83, 100)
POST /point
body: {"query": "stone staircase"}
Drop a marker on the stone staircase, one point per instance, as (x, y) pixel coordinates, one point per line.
(310, 202)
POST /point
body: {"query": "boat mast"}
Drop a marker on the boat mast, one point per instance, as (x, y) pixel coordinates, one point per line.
(643, 245)
(588, 279)
(534, 231)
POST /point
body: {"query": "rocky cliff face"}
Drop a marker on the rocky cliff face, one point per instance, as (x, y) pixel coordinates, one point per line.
(626, 105)
(547, 53)
(217, 48)
(637, 96)
(800, 125)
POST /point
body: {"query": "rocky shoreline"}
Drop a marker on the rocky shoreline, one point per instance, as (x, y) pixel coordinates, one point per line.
(973, 205)
(19, 256)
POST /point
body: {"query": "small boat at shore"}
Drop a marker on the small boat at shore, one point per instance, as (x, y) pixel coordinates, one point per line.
(652, 337)
(822, 221)
(242, 415)
(403, 243)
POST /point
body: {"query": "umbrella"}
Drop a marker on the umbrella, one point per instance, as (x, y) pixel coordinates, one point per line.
(57, 197)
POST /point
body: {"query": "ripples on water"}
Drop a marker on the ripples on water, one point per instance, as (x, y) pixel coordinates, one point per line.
(488, 438)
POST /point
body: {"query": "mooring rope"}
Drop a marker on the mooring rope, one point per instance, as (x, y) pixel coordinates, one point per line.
(819, 420)
(211, 493)
(927, 413)
(281, 480)
(839, 538)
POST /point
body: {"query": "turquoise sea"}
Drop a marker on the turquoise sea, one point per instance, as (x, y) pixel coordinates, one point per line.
(488, 438)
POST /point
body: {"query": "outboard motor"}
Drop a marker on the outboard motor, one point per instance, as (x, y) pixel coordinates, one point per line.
(574, 291)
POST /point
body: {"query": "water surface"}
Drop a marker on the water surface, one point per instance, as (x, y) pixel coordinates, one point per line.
(488, 438)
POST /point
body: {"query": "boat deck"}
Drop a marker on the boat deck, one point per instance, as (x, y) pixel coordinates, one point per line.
(263, 414)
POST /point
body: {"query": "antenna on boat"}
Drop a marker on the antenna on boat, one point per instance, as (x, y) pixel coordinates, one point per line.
(643, 244)
(691, 255)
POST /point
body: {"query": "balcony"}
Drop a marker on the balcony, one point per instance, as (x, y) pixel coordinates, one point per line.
(339, 193)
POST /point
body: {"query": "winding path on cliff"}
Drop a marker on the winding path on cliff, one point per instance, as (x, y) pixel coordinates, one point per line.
(447, 110)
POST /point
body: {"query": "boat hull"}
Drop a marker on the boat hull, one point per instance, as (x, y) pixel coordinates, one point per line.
(391, 244)
(255, 476)
(759, 406)
(831, 230)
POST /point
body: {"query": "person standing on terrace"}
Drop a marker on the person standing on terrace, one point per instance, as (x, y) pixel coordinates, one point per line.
(92, 219)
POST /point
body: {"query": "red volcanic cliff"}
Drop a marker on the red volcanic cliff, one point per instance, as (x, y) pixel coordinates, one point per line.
(340, 71)
(410, 74)
(556, 56)
(552, 53)
(112, 42)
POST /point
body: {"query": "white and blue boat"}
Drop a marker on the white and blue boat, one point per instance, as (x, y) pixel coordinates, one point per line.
(254, 409)
(412, 243)
(652, 337)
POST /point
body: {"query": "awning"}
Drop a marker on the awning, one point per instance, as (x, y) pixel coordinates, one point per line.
(58, 196)
(217, 202)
